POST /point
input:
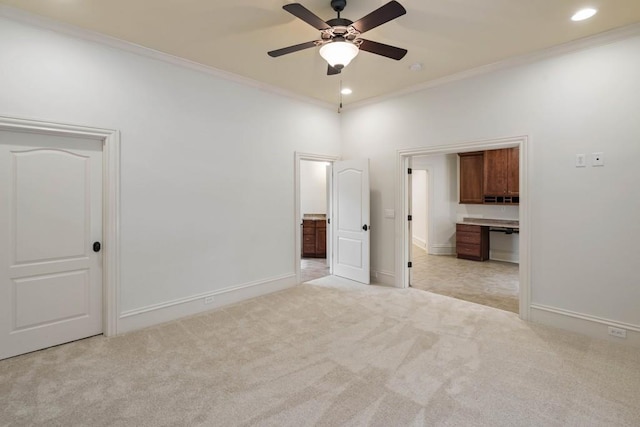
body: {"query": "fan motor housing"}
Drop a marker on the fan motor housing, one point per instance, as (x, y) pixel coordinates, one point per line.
(338, 5)
(339, 22)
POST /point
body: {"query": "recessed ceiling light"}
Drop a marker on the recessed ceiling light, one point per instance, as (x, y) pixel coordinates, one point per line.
(346, 91)
(583, 14)
(416, 67)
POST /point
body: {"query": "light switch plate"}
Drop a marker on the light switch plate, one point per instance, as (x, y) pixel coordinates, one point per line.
(581, 160)
(597, 159)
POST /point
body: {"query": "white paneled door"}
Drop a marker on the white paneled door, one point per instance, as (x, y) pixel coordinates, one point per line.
(351, 220)
(50, 218)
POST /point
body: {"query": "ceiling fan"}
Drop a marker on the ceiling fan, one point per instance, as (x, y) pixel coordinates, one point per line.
(340, 39)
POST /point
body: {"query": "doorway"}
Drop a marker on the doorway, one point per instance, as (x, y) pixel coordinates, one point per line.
(347, 218)
(437, 263)
(57, 288)
(312, 206)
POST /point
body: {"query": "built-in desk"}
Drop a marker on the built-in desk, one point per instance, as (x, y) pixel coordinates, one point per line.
(472, 236)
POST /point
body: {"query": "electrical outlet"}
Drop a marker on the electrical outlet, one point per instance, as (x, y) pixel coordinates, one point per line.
(581, 160)
(617, 332)
(597, 159)
(208, 300)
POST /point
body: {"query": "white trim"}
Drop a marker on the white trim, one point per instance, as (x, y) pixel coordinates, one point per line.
(110, 203)
(585, 324)
(504, 256)
(602, 320)
(167, 311)
(25, 17)
(601, 39)
(443, 249)
(419, 243)
(297, 216)
(589, 42)
(385, 278)
(402, 159)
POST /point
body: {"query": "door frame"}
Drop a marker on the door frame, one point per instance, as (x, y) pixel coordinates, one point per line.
(402, 241)
(297, 217)
(110, 203)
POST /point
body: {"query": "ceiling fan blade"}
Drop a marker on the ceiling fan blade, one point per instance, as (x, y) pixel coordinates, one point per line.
(386, 13)
(383, 49)
(332, 71)
(291, 49)
(299, 11)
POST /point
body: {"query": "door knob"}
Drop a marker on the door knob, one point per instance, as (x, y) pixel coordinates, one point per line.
(365, 228)
(96, 246)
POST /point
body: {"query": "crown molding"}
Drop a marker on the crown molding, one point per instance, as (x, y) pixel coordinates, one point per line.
(584, 43)
(42, 22)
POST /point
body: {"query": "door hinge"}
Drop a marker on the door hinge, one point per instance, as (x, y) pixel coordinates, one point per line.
(328, 220)
(409, 171)
(409, 264)
(409, 218)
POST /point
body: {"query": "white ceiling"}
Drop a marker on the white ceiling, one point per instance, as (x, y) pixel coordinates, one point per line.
(446, 36)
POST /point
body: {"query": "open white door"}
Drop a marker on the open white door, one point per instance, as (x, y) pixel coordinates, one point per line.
(329, 186)
(350, 221)
(50, 215)
(409, 184)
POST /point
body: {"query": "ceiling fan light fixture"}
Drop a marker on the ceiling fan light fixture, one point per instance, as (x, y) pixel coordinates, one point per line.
(339, 53)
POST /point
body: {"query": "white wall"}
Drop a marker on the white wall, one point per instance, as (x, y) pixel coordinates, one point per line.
(313, 187)
(419, 210)
(584, 225)
(443, 198)
(207, 165)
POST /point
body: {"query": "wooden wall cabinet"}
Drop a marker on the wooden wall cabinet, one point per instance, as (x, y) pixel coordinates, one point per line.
(471, 177)
(490, 177)
(502, 172)
(472, 242)
(314, 238)
(513, 176)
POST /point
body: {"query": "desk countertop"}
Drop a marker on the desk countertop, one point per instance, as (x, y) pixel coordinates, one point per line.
(488, 222)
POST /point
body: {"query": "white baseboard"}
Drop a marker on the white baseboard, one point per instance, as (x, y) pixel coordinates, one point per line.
(171, 310)
(419, 242)
(585, 324)
(442, 250)
(505, 256)
(386, 278)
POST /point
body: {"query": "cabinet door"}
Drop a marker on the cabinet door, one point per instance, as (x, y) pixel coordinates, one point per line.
(513, 178)
(308, 238)
(321, 239)
(495, 172)
(471, 176)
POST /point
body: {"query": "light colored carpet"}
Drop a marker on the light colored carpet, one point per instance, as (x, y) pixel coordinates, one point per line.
(331, 353)
(491, 283)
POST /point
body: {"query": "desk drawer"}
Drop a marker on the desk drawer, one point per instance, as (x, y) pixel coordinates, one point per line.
(472, 242)
(467, 237)
(469, 250)
(468, 228)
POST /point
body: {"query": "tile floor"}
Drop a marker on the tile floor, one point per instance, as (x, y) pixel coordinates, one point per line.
(491, 283)
(313, 268)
